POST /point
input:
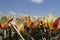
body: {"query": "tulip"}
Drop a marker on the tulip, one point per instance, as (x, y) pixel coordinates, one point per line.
(20, 27)
(32, 25)
(33, 19)
(9, 22)
(40, 23)
(4, 21)
(25, 19)
(28, 24)
(45, 22)
(51, 20)
(18, 24)
(51, 27)
(36, 24)
(55, 24)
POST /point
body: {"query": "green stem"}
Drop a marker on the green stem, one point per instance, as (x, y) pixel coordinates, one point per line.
(47, 34)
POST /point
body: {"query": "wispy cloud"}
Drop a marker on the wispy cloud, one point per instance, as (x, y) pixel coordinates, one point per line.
(37, 1)
(12, 12)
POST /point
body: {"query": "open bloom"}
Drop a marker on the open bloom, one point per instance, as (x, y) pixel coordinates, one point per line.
(30, 24)
(51, 19)
(4, 21)
(18, 24)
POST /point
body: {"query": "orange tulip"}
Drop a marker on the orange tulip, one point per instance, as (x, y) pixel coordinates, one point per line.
(28, 24)
(32, 25)
(51, 27)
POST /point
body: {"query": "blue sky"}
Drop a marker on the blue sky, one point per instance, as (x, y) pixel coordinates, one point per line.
(33, 7)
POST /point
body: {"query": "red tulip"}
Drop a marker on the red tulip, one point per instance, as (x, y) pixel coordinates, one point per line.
(32, 25)
(55, 24)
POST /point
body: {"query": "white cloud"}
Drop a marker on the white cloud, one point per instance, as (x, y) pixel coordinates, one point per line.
(37, 1)
(12, 12)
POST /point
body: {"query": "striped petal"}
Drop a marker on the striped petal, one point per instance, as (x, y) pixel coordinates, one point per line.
(51, 19)
(19, 25)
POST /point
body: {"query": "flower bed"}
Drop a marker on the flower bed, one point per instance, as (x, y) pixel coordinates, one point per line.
(30, 27)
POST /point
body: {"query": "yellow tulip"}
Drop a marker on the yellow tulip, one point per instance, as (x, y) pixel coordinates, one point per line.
(45, 22)
(4, 21)
(19, 25)
(51, 19)
(36, 24)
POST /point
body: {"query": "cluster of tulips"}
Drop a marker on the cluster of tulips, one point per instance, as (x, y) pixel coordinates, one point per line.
(51, 22)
